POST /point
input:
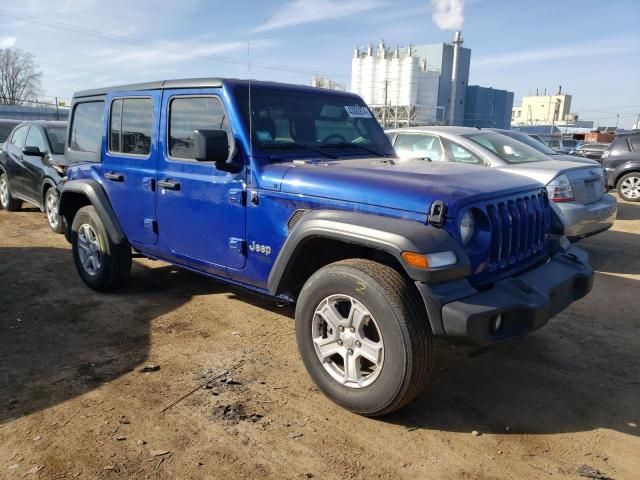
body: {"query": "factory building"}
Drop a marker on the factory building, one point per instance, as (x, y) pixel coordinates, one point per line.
(413, 85)
(543, 109)
(488, 107)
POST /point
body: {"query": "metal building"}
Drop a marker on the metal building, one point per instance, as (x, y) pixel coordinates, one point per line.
(487, 107)
(413, 85)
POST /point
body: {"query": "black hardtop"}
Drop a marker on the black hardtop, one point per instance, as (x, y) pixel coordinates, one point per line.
(198, 83)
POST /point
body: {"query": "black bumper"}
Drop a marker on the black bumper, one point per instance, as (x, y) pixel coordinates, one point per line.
(462, 314)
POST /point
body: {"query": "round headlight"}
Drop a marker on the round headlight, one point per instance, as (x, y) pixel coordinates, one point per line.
(467, 226)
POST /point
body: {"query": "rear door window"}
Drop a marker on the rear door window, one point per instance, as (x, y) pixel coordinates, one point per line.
(634, 140)
(130, 126)
(86, 127)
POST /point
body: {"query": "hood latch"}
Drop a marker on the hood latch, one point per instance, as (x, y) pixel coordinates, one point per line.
(438, 213)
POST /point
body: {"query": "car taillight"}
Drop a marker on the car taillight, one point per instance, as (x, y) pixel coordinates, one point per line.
(559, 190)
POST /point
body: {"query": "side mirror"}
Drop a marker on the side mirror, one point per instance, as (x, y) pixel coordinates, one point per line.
(33, 151)
(213, 146)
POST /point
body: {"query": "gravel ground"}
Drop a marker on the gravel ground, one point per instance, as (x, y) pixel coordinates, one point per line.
(231, 399)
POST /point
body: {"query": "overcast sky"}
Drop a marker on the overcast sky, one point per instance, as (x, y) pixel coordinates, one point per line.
(589, 47)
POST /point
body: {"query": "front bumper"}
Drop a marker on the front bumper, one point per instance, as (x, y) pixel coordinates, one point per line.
(583, 220)
(463, 315)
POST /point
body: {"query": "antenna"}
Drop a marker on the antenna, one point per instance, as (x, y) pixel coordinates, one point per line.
(250, 110)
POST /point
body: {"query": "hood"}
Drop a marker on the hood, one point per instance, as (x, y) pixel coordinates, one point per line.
(544, 172)
(409, 185)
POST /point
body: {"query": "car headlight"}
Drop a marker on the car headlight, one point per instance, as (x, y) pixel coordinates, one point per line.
(467, 226)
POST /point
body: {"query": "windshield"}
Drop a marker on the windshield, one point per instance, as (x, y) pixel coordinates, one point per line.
(5, 130)
(323, 123)
(507, 148)
(532, 142)
(569, 143)
(56, 139)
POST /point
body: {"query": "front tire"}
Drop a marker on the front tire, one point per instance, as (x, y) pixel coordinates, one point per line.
(7, 202)
(363, 336)
(51, 200)
(102, 264)
(629, 187)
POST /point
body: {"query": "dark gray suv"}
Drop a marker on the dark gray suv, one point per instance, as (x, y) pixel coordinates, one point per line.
(622, 164)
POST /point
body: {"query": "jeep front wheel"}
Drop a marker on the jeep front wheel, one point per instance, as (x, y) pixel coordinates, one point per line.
(102, 264)
(363, 336)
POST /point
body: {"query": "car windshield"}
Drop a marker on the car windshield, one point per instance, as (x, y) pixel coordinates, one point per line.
(324, 123)
(5, 130)
(532, 142)
(569, 143)
(56, 138)
(507, 148)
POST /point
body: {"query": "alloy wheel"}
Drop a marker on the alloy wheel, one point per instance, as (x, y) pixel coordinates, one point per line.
(4, 191)
(89, 249)
(51, 208)
(630, 187)
(347, 341)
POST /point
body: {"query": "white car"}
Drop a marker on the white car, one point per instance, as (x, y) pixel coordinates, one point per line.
(578, 189)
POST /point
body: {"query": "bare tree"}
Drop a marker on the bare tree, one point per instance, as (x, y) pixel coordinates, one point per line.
(19, 77)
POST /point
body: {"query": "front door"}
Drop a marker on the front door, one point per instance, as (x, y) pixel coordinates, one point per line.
(201, 214)
(130, 160)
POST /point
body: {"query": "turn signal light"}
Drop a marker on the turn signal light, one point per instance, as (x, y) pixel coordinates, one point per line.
(416, 260)
(430, 260)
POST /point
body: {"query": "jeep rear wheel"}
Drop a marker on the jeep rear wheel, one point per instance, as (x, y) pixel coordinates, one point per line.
(363, 336)
(7, 202)
(102, 264)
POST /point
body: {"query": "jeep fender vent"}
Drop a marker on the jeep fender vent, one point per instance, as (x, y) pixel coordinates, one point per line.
(295, 218)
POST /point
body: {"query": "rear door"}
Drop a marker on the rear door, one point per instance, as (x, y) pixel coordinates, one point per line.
(201, 213)
(130, 161)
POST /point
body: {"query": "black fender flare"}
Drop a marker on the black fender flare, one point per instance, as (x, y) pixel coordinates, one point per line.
(390, 235)
(97, 197)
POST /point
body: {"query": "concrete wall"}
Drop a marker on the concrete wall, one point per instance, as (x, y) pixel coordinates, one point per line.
(25, 112)
(542, 109)
(488, 107)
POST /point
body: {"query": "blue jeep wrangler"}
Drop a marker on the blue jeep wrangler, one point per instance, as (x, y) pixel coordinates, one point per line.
(296, 192)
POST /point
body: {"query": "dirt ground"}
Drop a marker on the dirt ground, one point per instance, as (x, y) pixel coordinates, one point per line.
(74, 403)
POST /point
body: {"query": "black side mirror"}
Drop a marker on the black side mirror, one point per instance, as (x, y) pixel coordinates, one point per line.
(33, 151)
(212, 146)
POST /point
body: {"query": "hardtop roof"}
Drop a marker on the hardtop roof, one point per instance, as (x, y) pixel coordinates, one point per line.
(197, 83)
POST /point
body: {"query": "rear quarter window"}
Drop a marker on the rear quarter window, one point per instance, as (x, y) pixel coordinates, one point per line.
(85, 133)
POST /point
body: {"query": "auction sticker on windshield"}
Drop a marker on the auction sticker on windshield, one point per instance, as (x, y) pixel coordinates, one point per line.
(357, 111)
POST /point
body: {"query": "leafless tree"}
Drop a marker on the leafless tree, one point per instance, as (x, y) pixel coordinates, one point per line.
(19, 77)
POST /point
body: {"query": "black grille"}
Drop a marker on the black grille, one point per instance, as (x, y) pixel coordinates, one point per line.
(295, 218)
(518, 229)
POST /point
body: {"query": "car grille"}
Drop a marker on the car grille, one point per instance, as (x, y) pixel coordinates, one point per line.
(519, 229)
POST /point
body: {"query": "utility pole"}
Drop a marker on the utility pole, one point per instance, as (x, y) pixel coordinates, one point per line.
(617, 120)
(57, 111)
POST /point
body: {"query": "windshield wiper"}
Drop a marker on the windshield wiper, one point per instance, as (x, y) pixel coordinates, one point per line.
(290, 145)
(354, 145)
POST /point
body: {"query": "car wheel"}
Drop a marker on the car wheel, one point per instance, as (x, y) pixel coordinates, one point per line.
(629, 187)
(7, 202)
(363, 336)
(51, 200)
(102, 264)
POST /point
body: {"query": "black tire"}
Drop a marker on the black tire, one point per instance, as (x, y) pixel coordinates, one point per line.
(55, 221)
(634, 178)
(114, 262)
(7, 202)
(403, 327)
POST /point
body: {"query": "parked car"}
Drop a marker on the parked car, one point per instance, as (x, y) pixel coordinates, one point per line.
(536, 142)
(622, 164)
(295, 192)
(6, 127)
(562, 144)
(32, 165)
(578, 189)
(590, 150)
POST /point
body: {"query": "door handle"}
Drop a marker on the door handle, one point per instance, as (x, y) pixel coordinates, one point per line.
(116, 177)
(169, 185)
